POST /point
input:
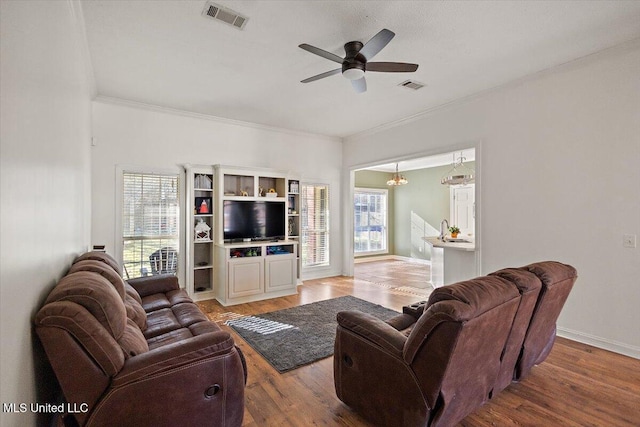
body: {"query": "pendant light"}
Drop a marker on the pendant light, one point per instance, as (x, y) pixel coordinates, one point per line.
(397, 179)
(459, 173)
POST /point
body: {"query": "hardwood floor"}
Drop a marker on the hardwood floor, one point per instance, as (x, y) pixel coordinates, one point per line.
(578, 385)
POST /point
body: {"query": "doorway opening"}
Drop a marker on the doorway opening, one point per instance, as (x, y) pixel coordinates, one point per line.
(413, 211)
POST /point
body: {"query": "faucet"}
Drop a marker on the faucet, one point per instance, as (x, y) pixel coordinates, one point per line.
(443, 230)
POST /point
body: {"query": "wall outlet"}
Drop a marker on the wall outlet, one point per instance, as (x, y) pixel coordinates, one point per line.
(629, 240)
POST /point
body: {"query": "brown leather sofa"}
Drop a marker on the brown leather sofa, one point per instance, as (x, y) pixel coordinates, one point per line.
(138, 353)
(439, 361)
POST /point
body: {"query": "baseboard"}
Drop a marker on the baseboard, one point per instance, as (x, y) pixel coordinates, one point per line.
(390, 257)
(319, 273)
(603, 343)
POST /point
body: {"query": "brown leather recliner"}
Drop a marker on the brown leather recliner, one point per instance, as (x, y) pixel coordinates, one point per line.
(439, 361)
(138, 353)
(444, 369)
(557, 281)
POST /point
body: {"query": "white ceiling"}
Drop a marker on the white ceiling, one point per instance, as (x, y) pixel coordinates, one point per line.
(164, 53)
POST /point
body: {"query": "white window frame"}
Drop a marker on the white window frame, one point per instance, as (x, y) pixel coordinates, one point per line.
(327, 228)
(373, 191)
(119, 204)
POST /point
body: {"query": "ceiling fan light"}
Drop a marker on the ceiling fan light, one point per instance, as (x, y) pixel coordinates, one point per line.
(353, 73)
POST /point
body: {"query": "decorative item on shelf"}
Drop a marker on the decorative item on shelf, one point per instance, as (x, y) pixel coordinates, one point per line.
(204, 208)
(202, 232)
(203, 182)
(271, 193)
(459, 173)
(294, 187)
(397, 179)
(454, 231)
(292, 227)
(260, 192)
(244, 193)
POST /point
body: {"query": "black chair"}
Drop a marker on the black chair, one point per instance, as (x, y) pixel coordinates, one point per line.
(164, 261)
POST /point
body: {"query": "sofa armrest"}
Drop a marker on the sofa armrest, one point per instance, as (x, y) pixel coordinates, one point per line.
(174, 356)
(149, 285)
(374, 330)
(196, 381)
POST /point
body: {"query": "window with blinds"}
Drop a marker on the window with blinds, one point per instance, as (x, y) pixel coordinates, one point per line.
(150, 224)
(370, 221)
(314, 225)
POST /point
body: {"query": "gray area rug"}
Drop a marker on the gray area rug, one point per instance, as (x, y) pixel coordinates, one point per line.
(297, 336)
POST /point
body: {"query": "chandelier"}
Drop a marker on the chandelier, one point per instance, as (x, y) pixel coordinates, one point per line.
(459, 174)
(397, 179)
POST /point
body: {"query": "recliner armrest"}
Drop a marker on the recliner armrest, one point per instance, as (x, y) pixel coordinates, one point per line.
(149, 285)
(174, 356)
(373, 329)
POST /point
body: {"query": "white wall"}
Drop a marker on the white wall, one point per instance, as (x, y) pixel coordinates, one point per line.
(559, 180)
(45, 200)
(132, 135)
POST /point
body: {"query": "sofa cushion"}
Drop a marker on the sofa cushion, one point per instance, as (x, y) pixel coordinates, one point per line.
(204, 328)
(135, 312)
(165, 300)
(102, 257)
(97, 295)
(188, 313)
(78, 322)
(130, 290)
(102, 269)
(132, 341)
(155, 302)
(170, 337)
(160, 322)
(177, 335)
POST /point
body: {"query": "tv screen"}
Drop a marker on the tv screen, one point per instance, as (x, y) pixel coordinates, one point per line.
(253, 220)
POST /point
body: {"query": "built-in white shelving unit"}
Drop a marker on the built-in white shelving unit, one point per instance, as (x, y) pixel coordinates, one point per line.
(200, 216)
(237, 269)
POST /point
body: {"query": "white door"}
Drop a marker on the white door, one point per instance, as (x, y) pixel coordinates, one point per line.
(463, 199)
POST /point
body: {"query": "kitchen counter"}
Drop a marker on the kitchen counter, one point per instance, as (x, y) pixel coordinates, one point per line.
(461, 246)
(451, 262)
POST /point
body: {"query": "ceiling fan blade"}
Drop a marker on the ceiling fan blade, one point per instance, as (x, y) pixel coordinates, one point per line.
(322, 76)
(377, 43)
(391, 67)
(317, 51)
(359, 85)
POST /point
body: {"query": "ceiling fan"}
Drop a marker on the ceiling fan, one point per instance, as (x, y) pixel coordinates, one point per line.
(355, 62)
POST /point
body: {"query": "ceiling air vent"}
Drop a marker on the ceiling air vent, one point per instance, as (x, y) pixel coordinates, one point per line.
(223, 14)
(412, 84)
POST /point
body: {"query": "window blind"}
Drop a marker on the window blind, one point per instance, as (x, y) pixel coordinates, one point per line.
(150, 223)
(315, 224)
(370, 221)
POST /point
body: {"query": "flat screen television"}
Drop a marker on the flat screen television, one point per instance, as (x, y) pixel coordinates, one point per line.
(256, 220)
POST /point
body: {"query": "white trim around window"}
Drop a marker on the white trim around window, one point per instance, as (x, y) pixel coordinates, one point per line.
(121, 170)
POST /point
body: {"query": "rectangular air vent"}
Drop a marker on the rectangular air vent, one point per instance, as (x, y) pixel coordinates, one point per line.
(223, 14)
(412, 84)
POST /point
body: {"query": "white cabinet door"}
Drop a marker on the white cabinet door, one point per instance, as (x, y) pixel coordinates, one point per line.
(463, 208)
(246, 277)
(280, 272)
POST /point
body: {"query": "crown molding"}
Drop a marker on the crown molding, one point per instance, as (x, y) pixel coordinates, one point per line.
(184, 113)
